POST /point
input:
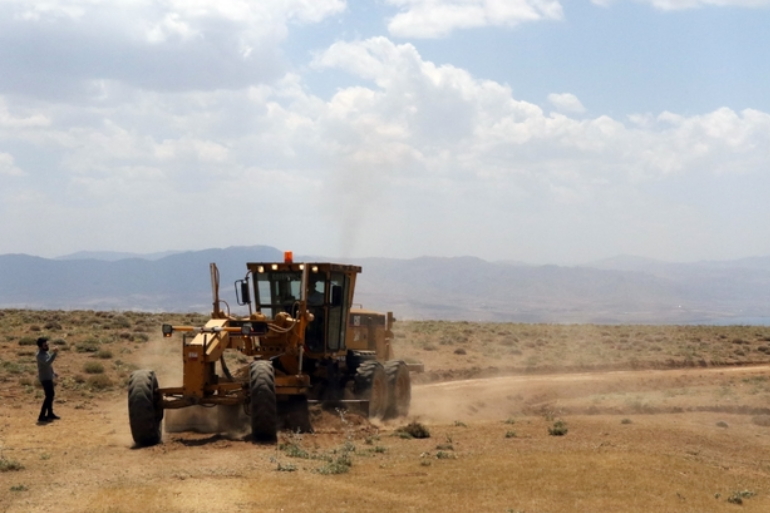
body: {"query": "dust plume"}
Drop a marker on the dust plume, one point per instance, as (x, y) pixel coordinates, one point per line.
(229, 421)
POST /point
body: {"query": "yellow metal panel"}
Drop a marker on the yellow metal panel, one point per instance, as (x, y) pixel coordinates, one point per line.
(198, 367)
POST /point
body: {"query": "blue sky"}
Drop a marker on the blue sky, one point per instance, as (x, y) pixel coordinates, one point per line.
(531, 130)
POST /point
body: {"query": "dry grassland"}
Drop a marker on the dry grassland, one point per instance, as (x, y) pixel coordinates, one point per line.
(522, 418)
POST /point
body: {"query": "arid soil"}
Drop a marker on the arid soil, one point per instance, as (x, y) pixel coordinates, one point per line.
(685, 438)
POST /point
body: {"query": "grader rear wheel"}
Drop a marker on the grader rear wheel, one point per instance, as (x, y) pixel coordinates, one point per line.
(371, 383)
(264, 414)
(145, 412)
(399, 389)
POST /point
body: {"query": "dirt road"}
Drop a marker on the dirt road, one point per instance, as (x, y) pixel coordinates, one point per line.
(489, 398)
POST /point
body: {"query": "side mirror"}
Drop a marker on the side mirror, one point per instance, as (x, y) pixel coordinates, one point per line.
(242, 293)
(336, 295)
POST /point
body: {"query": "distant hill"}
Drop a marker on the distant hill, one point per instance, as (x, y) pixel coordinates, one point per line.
(112, 256)
(619, 290)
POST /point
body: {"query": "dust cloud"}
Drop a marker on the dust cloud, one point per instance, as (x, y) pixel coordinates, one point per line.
(506, 396)
(164, 356)
(466, 400)
(228, 421)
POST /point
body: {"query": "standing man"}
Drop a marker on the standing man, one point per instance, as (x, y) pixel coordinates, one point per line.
(46, 375)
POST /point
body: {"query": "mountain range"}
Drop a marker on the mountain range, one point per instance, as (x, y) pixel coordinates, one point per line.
(624, 289)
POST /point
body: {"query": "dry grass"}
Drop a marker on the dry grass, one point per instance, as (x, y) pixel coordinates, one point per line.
(118, 339)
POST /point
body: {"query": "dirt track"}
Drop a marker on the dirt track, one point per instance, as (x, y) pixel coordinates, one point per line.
(489, 398)
(677, 440)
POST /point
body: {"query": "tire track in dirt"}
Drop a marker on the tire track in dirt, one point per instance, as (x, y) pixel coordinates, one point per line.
(502, 396)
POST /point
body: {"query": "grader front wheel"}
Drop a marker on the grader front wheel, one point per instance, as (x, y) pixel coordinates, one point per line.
(144, 410)
(264, 413)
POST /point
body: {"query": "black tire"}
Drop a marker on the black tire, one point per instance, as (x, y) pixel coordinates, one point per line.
(371, 384)
(399, 389)
(264, 413)
(145, 411)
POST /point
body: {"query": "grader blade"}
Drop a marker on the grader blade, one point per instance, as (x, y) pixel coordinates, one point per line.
(359, 406)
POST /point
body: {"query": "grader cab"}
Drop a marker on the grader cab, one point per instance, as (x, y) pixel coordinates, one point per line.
(306, 344)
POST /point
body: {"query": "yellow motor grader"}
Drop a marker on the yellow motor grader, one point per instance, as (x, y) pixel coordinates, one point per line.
(306, 342)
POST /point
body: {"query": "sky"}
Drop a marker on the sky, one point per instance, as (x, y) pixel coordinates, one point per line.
(539, 131)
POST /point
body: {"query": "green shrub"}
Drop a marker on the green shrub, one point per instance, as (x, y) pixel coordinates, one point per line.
(89, 346)
(13, 367)
(737, 497)
(7, 465)
(413, 430)
(121, 323)
(28, 341)
(286, 467)
(93, 368)
(339, 465)
(559, 428)
(99, 382)
(104, 354)
(293, 450)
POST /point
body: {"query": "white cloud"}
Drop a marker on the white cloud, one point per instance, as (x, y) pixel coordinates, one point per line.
(678, 5)
(438, 18)
(310, 11)
(7, 166)
(59, 49)
(566, 102)
(9, 120)
(417, 122)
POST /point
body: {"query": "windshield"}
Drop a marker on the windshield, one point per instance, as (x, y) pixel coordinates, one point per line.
(278, 291)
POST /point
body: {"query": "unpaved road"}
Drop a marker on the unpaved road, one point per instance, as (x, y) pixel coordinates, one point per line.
(489, 398)
(673, 440)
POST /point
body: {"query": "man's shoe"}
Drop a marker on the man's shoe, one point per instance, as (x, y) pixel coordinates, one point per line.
(53, 417)
(43, 420)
